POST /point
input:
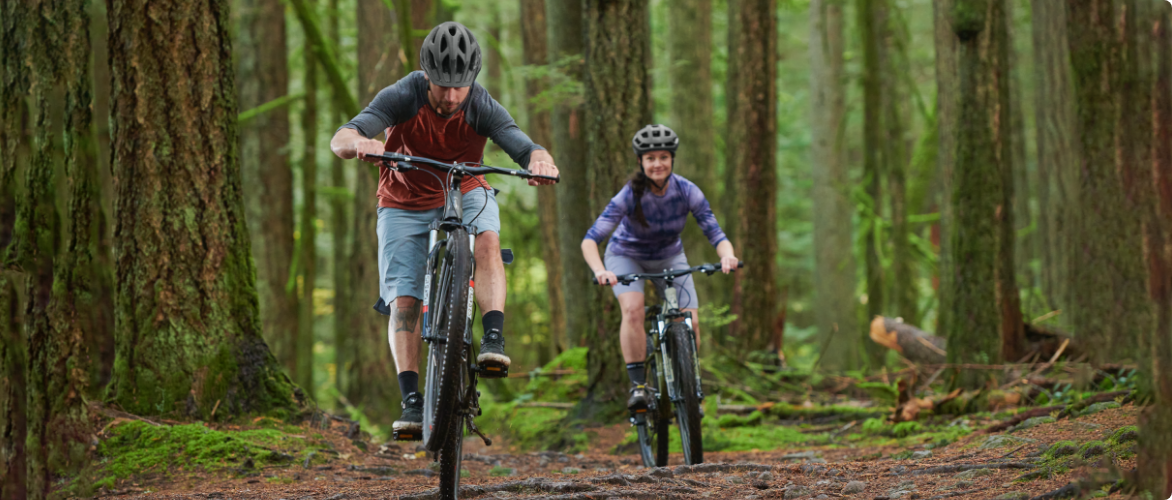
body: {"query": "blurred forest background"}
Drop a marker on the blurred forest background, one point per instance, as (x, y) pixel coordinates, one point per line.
(981, 169)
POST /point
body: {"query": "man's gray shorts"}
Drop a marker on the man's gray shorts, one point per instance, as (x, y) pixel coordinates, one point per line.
(685, 289)
(402, 243)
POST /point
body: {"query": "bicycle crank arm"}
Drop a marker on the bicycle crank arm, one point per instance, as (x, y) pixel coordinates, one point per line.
(475, 430)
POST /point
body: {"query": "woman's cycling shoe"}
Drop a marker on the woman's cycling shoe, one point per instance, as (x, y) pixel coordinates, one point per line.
(492, 359)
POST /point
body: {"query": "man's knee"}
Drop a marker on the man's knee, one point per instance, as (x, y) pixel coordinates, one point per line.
(405, 314)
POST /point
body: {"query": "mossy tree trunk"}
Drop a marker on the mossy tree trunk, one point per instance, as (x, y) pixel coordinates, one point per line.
(13, 396)
(339, 227)
(263, 75)
(367, 376)
(617, 103)
(1109, 301)
(533, 38)
(692, 112)
(1155, 445)
(565, 25)
(306, 238)
(188, 327)
(873, 139)
(751, 156)
(947, 90)
(834, 262)
(890, 47)
(1056, 150)
(980, 197)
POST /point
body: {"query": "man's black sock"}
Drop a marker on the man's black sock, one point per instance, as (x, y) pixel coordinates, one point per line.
(493, 320)
(635, 371)
(408, 383)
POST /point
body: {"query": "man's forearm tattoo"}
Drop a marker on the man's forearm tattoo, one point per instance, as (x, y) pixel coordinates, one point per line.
(406, 317)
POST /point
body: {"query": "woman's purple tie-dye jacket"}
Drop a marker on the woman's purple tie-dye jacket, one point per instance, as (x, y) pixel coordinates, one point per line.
(666, 216)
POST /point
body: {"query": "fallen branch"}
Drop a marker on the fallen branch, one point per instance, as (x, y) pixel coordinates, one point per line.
(540, 404)
(912, 343)
(1021, 417)
(946, 469)
(537, 484)
(702, 468)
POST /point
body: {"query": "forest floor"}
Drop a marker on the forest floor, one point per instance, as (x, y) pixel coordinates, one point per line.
(272, 460)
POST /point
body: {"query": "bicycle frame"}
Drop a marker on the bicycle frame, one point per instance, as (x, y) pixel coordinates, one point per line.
(671, 301)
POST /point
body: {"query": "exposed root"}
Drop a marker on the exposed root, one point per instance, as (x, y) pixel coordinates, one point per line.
(701, 468)
(945, 469)
(956, 493)
(534, 485)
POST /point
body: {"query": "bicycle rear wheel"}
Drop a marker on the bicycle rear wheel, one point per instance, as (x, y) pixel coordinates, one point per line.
(447, 364)
(683, 354)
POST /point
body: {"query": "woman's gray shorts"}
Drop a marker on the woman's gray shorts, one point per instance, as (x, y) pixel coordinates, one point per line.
(402, 243)
(685, 289)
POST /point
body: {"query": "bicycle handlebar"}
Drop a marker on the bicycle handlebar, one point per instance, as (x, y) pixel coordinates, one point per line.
(708, 269)
(404, 162)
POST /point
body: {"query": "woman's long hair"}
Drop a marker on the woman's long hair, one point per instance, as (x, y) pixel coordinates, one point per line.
(639, 183)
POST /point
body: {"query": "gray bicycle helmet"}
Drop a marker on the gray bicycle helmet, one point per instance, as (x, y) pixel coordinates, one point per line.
(655, 138)
(450, 55)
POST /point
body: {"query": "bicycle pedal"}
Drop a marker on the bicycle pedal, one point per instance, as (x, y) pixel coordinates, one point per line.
(408, 435)
(494, 371)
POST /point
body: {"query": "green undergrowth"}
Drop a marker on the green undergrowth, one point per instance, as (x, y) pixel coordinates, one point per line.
(145, 451)
(1063, 456)
(527, 428)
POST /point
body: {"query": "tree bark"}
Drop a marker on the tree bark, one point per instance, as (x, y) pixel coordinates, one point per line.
(873, 148)
(340, 223)
(533, 38)
(100, 335)
(188, 330)
(692, 108)
(978, 199)
(751, 155)
(834, 261)
(947, 100)
(1109, 305)
(894, 158)
(306, 239)
(263, 74)
(616, 81)
(1057, 153)
(565, 32)
(369, 354)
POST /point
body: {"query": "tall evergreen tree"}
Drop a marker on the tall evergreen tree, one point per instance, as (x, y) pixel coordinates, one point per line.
(306, 241)
(982, 193)
(188, 330)
(871, 33)
(834, 262)
(616, 35)
(263, 73)
(568, 118)
(533, 38)
(1109, 302)
(947, 100)
(1056, 150)
(751, 160)
(370, 370)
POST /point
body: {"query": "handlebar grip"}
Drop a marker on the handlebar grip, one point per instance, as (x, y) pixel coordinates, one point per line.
(740, 264)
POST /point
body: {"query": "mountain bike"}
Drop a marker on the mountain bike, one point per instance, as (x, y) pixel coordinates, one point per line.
(672, 371)
(451, 400)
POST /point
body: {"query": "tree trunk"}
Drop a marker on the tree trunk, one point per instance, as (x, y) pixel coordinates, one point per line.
(873, 140)
(263, 74)
(1109, 305)
(306, 241)
(565, 32)
(1057, 153)
(369, 374)
(835, 306)
(690, 47)
(188, 328)
(1009, 141)
(533, 37)
(751, 154)
(977, 199)
(947, 100)
(890, 42)
(100, 329)
(340, 223)
(616, 81)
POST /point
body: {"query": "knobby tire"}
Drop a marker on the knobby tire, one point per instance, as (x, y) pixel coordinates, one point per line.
(448, 366)
(683, 357)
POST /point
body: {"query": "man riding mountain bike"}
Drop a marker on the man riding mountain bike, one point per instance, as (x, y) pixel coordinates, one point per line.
(649, 214)
(439, 113)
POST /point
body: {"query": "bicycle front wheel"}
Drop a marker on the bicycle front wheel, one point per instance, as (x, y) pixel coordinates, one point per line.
(447, 361)
(683, 354)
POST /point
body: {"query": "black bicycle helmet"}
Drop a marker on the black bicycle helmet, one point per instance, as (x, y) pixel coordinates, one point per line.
(655, 138)
(450, 55)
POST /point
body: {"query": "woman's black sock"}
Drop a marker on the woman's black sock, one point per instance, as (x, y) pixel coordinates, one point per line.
(635, 371)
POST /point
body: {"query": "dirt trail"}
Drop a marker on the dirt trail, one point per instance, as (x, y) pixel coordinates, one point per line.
(973, 467)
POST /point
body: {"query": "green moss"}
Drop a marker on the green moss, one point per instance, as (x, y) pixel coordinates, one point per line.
(137, 448)
(903, 429)
(1125, 434)
(1061, 449)
(730, 420)
(499, 471)
(1092, 449)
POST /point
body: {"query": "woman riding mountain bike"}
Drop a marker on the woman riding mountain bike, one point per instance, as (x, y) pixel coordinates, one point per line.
(650, 213)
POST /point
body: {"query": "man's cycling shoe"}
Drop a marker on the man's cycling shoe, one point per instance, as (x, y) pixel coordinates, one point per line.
(409, 426)
(637, 403)
(492, 359)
